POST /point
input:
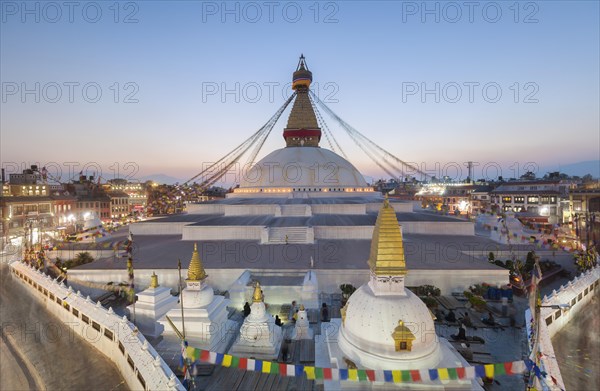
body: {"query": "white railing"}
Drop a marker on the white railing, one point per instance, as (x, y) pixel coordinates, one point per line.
(117, 338)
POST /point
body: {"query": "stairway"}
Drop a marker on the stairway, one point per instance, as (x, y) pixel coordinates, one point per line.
(277, 235)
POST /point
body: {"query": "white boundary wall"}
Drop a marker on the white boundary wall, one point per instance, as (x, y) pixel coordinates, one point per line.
(573, 297)
(117, 338)
(577, 293)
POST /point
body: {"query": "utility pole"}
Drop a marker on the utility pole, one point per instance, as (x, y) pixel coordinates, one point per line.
(181, 298)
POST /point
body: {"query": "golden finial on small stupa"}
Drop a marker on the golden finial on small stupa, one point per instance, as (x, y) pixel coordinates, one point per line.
(257, 297)
(154, 281)
(196, 270)
(301, 307)
(387, 249)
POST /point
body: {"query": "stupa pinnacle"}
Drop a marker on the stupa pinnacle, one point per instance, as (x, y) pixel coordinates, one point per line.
(302, 128)
(387, 250)
(196, 270)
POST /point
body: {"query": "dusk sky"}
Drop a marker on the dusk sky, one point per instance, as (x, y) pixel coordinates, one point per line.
(162, 75)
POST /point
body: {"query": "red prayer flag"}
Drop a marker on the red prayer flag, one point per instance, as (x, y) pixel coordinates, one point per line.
(243, 363)
(204, 355)
(370, 374)
(283, 369)
(327, 373)
(460, 371)
(508, 368)
(415, 375)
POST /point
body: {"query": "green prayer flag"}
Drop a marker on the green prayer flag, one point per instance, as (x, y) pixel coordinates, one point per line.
(274, 368)
(235, 362)
(406, 376)
(362, 375)
(452, 373)
(319, 373)
(499, 369)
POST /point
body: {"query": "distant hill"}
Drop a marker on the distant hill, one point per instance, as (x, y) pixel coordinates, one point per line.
(579, 168)
(161, 178)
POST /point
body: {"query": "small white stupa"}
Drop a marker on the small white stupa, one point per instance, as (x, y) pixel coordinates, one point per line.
(386, 326)
(302, 329)
(151, 305)
(259, 336)
(205, 324)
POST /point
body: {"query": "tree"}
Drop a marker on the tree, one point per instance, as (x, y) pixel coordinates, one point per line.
(83, 258)
(587, 178)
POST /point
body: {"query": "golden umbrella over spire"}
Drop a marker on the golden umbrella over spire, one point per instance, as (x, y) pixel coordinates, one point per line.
(196, 270)
(387, 250)
(257, 296)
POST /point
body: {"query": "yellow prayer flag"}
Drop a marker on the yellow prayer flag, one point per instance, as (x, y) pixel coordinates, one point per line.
(443, 373)
(353, 374)
(266, 367)
(397, 376)
(489, 370)
(226, 360)
(310, 372)
(189, 352)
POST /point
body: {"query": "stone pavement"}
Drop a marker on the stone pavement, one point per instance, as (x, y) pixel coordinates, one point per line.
(62, 360)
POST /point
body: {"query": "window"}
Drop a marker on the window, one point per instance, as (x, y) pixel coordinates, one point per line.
(585, 292)
(95, 326)
(85, 318)
(108, 334)
(67, 307)
(51, 296)
(545, 199)
(403, 345)
(548, 321)
(75, 312)
(141, 379)
(506, 199)
(121, 347)
(579, 296)
(557, 314)
(58, 300)
(130, 361)
(591, 287)
(45, 292)
(519, 200)
(533, 199)
(573, 301)
(553, 200)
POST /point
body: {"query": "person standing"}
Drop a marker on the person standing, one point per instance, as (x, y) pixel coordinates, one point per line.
(324, 313)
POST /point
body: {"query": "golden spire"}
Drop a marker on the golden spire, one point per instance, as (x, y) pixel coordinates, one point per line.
(196, 270)
(154, 281)
(387, 249)
(302, 307)
(257, 297)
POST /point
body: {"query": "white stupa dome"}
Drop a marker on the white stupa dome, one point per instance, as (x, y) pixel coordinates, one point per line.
(300, 168)
(366, 337)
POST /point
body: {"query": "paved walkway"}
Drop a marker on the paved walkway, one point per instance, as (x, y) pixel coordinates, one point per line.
(576, 348)
(41, 352)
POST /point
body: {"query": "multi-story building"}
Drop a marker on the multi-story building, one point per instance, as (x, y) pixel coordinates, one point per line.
(21, 211)
(96, 204)
(538, 197)
(119, 204)
(481, 199)
(138, 196)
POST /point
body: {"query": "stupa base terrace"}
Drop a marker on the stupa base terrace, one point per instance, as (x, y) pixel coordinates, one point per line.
(242, 240)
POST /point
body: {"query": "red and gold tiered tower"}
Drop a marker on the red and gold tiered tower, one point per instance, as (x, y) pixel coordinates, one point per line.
(302, 128)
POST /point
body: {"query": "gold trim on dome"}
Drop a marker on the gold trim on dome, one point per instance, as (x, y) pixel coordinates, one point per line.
(387, 250)
(154, 280)
(257, 296)
(196, 270)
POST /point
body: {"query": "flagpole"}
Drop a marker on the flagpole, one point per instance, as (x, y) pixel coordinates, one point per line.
(181, 298)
